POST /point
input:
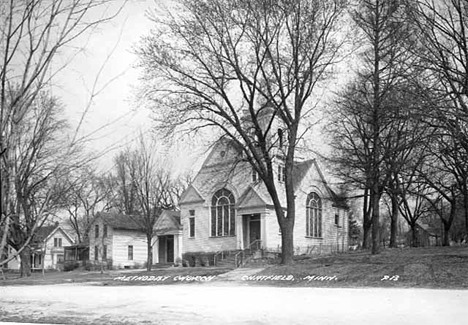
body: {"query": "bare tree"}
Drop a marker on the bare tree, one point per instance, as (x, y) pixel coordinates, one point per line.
(245, 69)
(37, 163)
(443, 26)
(443, 172)
(88, 192)
(151, 188)
(374, 135)
(33, 33)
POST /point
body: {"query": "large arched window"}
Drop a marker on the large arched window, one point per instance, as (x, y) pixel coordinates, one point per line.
(223, 221)
(314, 215)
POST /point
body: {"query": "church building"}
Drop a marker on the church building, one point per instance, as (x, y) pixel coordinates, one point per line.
(228, 208)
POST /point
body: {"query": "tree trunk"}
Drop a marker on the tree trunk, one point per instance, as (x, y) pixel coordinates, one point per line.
(287, 242)
(25, 262)
(367, 220)
(446, 239)
(366, 237)
(375, 222)
(394, 222)
(414, 235)
(149, 262)
(465, 206)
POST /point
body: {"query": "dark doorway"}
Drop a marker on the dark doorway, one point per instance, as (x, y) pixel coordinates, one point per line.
(166, 249)
(254, 232)
(170, 249)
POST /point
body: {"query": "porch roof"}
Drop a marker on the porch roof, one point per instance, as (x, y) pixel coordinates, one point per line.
(168, 221)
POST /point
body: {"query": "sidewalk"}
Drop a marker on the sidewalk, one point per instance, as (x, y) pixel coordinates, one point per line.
(237, 274)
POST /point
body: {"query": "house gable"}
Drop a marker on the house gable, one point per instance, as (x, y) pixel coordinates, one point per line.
(64, 234)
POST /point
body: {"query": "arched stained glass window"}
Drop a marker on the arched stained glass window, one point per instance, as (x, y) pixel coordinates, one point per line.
(223, 221)
(314, 215)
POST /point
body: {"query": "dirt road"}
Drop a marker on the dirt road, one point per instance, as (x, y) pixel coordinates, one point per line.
(211, 304)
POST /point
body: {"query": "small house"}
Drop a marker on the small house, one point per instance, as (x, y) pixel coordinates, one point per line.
(118, 240)
(47, 249)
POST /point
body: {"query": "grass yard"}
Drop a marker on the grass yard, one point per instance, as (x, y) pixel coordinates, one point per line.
(434, 267)
(118, 277)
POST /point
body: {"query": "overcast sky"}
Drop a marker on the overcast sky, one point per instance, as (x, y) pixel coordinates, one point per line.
(113, 111)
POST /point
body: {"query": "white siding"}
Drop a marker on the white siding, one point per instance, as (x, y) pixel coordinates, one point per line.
(121, 240)
(100, 241)
(51, 252)
(203, 242)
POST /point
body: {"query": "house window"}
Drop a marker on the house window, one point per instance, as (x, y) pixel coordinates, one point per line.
(96, 231)
(104, 231)
(281, 175)
(130, 253)
(57, 242)
(337, 219)
(59, 258)
(104, 252)
(192, 224)
(314, 215)
(96, 253)
(223, 214)
(254, 175)
(40, 259)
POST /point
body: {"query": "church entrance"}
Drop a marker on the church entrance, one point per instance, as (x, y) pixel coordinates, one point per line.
(166, 249)
(252, 231)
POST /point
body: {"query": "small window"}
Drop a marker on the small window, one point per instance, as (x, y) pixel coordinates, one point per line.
(104, 252)
(57, 242)
(104, 231)
(96, 253)
(130, 253)
(280, 138)
(281, 175)
(60, 258)
(254, 176)
(96, 231)
(191, 227)
(337, 219)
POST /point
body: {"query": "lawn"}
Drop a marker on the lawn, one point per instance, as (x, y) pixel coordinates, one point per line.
(434, 267)
(119, 277)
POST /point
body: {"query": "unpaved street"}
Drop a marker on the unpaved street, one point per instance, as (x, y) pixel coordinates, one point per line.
(211, 304)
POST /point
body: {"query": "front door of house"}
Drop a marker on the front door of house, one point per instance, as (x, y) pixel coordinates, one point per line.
(254, 231)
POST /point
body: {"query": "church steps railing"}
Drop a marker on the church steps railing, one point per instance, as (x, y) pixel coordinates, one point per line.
(240, 258)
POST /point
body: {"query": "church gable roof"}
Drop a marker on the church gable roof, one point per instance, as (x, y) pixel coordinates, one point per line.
(191, 195)
(223, 168)
(300, 171)
(250, 198)
(224, 151)
(305, 171)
